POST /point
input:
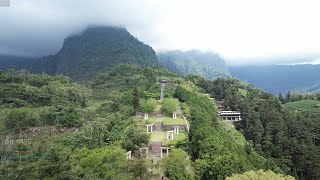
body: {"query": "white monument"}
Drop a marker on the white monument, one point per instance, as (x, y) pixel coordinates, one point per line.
(176, 129)
(128, 154)
(162, 148)
(146, 116)
(169, 135)
(174, 115)
(149, 128)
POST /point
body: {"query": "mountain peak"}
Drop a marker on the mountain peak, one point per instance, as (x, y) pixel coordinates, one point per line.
(95, 49)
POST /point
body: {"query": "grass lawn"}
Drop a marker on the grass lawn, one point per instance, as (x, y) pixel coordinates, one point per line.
(171, 121)
(181, 136)
(303, 105)
(162, 136)
(242, 92)
(164, 120)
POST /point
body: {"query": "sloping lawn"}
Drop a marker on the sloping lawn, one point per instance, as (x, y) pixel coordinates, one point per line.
(162, 136)
(303, 105)
(164, 120)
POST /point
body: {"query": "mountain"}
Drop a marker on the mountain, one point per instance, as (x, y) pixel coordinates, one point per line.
(96, 49)
(207, 64)
(19, 61)
(280, 78)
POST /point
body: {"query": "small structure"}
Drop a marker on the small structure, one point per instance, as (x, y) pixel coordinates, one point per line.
(149, 128)
(163, 81)
(219, 105)
(174, 115)
(176, 130)
(230, 115)
(144, 152)
(168, 135)
(161, 151)
(146, 116)
(128, 154)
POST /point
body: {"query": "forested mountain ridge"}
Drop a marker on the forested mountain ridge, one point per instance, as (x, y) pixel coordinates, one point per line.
(96, 49)
(207, 64)
(280, 78)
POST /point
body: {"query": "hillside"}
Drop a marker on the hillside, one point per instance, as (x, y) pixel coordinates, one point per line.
(304, 105)
(291, 138)
(67, 130)
(280, 78)
(207, 64)
(96, 49)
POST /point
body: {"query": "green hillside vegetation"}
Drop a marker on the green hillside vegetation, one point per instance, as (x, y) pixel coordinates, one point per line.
(92, 126)
(206, 134)
(303, 105)
(289, 138)
(60, 129)
(259, 175)
(95, 49)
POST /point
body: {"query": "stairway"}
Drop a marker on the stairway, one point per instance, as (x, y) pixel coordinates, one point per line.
(158, 126)
(155, 148)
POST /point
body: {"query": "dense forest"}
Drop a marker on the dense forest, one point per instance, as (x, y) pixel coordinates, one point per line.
(55, 128)
(288, 137)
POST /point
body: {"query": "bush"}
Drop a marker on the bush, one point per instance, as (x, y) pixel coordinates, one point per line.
(148, 106)
(18, 119)
(169, 105)
(135, 137)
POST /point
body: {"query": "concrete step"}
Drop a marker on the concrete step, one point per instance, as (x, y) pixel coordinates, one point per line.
(158, 126)
(155, 147)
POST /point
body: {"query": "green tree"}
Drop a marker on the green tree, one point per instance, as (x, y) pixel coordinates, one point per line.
(148, 106)
(176, 165)
(135, 137)
(259, 175)
(169, 105)
(135, 98)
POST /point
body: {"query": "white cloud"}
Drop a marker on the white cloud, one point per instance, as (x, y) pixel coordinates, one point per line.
(241, 31)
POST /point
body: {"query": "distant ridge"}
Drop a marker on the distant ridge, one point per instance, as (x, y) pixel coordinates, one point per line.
(280, 78)
(207, 64)
(94, 50)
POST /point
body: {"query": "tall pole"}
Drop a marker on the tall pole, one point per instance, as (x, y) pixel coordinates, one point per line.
(162, 91)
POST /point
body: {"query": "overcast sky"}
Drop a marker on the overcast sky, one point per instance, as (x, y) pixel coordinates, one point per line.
(241, 31)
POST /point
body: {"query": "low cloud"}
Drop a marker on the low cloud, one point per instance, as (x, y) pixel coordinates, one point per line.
(243, 32)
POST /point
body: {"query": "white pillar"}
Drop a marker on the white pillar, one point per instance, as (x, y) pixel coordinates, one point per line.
(167, 152)
(176, 129)
(161, 152)
(151, 129)
(146, 116)
(128, 155)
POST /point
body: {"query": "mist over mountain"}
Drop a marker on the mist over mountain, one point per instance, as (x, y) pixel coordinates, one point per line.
(207, 64)
(96, 49)
(19, 61)
(280, 78)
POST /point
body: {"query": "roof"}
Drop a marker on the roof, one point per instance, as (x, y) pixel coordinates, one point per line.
(229, 113)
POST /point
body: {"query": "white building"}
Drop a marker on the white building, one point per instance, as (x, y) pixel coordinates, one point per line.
(230, 115)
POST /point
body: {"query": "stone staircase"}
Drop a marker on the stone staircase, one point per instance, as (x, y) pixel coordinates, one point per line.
(155, 148)
(158, 126)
